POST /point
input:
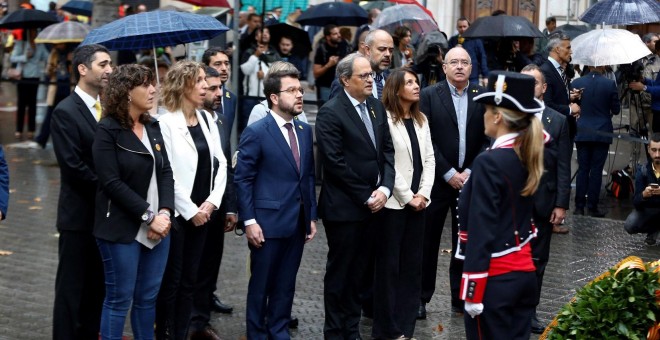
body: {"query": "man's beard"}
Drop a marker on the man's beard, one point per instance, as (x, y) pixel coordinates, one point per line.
(210, 105)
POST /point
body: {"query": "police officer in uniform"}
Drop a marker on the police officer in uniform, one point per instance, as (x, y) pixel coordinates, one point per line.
(498, 283)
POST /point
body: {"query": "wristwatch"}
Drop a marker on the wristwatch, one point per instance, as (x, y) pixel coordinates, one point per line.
(147, 217)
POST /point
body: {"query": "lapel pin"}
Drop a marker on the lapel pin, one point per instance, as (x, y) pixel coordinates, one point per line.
(300, 127)
(158, 147)
(373, 114)
(227, 94)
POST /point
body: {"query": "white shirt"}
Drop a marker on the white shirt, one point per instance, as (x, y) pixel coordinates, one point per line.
(89, 100)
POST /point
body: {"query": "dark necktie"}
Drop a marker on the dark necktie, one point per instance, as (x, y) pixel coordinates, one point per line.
(294, 144)
(378, 79)
(220, 109)
(563, 77)
(367, 122)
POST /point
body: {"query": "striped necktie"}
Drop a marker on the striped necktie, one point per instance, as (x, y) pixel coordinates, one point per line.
(378, 79)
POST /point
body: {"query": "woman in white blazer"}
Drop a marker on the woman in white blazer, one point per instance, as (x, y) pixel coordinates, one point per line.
(193, 143)
(398, 254)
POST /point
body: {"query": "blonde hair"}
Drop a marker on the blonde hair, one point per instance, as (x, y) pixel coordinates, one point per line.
(178, 81)
(528, 145)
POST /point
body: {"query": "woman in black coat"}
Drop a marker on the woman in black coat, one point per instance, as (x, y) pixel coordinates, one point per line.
(134, 202)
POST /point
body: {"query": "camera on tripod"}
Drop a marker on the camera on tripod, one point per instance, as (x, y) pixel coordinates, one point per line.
(632, 72)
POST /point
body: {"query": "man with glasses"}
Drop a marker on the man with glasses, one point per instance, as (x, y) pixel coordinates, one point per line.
(457, 132)
(358, 176)
(275, 187)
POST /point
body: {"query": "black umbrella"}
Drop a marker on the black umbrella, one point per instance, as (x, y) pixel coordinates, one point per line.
(338, 13)
(502, 26)
(572, 31)
(27, 18)
(300, 38)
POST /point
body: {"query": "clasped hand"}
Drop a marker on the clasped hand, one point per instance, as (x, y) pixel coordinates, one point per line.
(203, 215)
(159, 227)
(418, 203)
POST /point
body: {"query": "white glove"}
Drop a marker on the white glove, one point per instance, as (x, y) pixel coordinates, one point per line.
(474, 309)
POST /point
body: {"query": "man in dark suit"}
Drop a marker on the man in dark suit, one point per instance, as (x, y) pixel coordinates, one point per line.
(600, 101)
(4, 185)
(552, 197)
(79, 284)
(357, 154)
(559, 95)
(457, 132)
(223, 220)
(275, 185)
(219, 60)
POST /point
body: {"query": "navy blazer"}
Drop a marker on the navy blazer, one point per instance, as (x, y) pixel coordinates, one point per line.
(229, 100)
(73, 127)
(269, 186)
(600, 100)
(125, 167)
(4, 184)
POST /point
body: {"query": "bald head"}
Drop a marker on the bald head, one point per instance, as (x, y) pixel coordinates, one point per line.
(378, 48)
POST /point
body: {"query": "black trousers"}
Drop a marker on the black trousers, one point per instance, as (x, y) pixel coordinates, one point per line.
(509, 303)
(26, 89)
(79, 287)
(348, 251)
(209, 268)
(175, 299)
(398, 273)
(541, 248)
(656, 120)
(436, 214)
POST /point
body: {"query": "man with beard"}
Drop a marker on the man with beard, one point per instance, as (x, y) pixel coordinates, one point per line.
(79, 284)
(275, 184)
(457, 132)
(223, 220)
(329, 52)
(647, 195)
(218, 59)
(285, 49)
(378, 47)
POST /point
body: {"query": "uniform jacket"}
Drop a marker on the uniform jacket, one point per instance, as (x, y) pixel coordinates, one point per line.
(351, 164)
(183, 154)
(600, 100)
(436, 102)
(270, 188)
(403, 163)
(73, 129)
(125, 167)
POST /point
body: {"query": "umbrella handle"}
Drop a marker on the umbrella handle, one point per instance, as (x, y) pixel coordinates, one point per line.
(156, 65)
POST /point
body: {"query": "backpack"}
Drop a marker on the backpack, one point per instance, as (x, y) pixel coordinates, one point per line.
(621, 185)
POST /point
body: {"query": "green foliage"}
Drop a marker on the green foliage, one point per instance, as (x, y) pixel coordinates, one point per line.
(616, 307)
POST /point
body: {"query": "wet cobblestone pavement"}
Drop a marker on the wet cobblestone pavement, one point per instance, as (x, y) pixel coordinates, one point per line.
(28, 236)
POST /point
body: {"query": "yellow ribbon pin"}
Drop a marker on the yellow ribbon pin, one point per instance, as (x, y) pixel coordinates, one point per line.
(300, 127)
(158, 147)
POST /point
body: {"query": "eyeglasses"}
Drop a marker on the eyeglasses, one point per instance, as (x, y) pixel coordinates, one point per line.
(364, 76)
(294, 91)
(456, 62)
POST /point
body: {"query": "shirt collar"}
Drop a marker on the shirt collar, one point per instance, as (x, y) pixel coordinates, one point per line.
(554, 62)
(354, 101)
(501, 141)
(454, 90)
(279, 120)
(89, 100)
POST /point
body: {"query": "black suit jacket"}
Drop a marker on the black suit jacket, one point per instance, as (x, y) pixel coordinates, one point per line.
(73, 127)
(351, 164)
(556, 96)
(125, 167)
(229, 198)
(555, 187)
(436, 102)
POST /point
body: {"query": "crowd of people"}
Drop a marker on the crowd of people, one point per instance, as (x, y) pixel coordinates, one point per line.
(149, 184)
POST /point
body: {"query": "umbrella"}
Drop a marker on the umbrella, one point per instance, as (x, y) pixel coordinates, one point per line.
(502, 26)
(300, 38)
(412, 16)
(607, 47)
(414, 2)
(572, 31)
(380, 4)
(622, 12)
(79, 7)
(209, 3)
(27, 18)
(63, 32)
(338, 13)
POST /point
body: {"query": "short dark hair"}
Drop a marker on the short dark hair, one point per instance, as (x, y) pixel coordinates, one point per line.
(549, 20)
(327, 29)
(273, 80)
(211, 72)
(655, 137)
(85, 55)
(534, 67)
(464, 19)
(206, 57)
(252, 15)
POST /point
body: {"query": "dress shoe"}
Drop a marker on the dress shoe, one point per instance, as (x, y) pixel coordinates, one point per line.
(293, 323)
(208, 333)
(597, 212)
(421, 312)
(579, 212)
(557, 229)
(537, 328)
(219, 307)
(457, 310)
(651, 238)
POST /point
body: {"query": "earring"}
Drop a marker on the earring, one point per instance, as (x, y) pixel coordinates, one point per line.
(129, 99)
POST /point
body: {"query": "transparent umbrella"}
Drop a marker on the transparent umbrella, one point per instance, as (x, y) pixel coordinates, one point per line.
(602, 47)
(411, 16)
(622, 12)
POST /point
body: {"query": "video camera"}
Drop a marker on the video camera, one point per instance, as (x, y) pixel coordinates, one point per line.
(631, 72)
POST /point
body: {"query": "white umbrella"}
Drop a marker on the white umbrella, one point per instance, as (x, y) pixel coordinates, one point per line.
(602, 47)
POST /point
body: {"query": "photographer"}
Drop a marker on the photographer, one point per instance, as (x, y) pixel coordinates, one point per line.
(652, 87)
(647, 195)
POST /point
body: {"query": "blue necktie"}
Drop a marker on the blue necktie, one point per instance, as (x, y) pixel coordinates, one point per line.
(378, 79)
(367, 122)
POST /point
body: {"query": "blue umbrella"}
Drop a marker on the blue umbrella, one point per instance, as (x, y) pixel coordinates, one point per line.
(622, 12)
(79, 7)
(155, 29)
